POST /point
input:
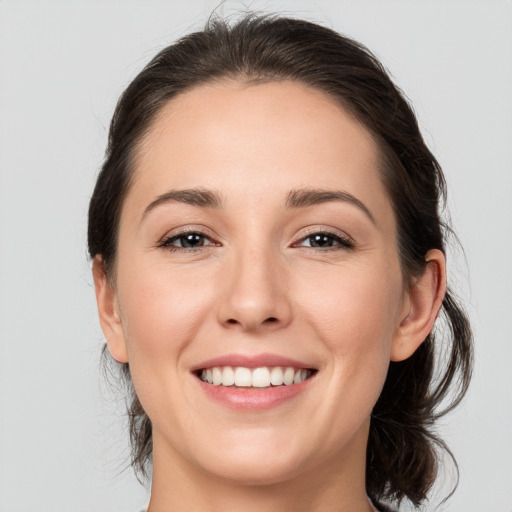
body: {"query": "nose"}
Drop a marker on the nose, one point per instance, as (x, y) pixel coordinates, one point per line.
(255, 293)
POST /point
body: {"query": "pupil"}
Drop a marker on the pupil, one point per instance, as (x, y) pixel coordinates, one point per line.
(191, 240)
(321, 241)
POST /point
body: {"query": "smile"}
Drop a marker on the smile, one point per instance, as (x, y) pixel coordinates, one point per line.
(252, 383)
(261, 377)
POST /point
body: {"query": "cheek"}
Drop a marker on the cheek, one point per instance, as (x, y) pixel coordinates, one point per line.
(162, 310)
(351, 312)
(354, 311)
(162, 313)
(352, 303)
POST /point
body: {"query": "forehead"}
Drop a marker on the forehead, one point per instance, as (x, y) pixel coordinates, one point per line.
(257, 139)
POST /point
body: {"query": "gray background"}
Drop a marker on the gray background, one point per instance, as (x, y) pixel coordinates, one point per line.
(63, 65)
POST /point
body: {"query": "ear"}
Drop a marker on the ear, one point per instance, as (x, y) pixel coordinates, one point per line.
(108, 311)
(421, 307)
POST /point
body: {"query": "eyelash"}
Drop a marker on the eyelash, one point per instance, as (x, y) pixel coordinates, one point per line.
(166, 243)
(342, 243)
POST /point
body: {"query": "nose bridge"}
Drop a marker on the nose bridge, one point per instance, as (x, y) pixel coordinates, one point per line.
(256, 293)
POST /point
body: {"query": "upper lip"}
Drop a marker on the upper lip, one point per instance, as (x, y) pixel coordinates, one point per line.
(251, 361)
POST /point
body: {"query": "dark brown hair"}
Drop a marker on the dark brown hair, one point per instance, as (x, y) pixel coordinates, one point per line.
(403, 449)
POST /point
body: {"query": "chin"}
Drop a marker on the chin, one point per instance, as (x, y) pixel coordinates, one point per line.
(255, 460)
(257, 473)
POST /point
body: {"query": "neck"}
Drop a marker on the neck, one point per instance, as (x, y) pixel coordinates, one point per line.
(337, 486)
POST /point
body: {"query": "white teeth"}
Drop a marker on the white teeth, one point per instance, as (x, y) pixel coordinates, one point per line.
(262, 377)
(228, 376)
(217, 376)
(276, 376)
(243, 377)
(288, 376)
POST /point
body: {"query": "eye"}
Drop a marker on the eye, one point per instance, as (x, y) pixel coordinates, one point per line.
(189, 240)
(325, 240)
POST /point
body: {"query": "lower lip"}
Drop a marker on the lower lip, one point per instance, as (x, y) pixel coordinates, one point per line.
(253, 399)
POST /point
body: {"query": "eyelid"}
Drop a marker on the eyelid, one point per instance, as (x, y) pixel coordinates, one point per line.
(346, 240)
(328, 230)
(185, 230)
(189, 228)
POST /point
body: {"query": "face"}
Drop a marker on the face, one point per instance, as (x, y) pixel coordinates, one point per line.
(258, 291)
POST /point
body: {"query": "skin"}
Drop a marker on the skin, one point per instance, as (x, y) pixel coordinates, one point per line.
(258, 286)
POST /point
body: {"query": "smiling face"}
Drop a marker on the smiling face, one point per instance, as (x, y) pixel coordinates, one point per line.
(257, 234)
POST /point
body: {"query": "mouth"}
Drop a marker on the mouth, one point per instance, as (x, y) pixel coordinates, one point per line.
(252, 383)
(260, 377)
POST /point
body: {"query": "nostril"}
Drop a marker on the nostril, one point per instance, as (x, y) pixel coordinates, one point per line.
(253, 323)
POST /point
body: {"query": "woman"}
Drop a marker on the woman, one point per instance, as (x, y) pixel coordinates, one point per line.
(268, 258)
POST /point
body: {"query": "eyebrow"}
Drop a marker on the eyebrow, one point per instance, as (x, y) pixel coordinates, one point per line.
(193, 196)
(300, 198)
(308, 197)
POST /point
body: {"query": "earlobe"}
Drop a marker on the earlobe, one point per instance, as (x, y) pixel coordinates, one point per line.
(108, 312)
(423, 303)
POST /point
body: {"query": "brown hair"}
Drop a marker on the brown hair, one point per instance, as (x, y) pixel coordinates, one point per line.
(403, 449)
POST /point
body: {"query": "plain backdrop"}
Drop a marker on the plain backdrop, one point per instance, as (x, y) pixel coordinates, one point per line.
(63, 441)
